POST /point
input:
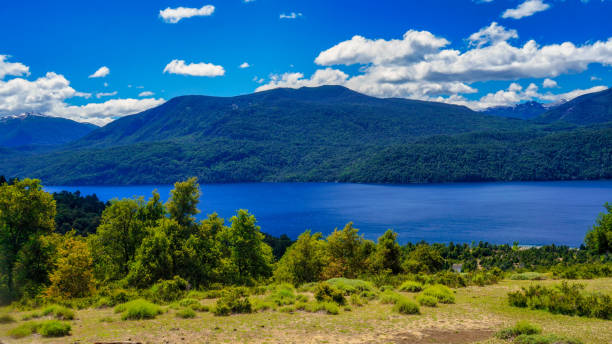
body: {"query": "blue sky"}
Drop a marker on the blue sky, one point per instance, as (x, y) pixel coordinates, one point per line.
(428, 50)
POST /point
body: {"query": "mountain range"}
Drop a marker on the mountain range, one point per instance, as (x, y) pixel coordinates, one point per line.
(31, 129)
(329, 133)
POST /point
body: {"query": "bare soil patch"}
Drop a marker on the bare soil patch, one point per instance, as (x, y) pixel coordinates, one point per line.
(444, 336)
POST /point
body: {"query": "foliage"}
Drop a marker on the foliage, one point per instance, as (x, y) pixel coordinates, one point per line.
(26, 212)
(54, 328)
(348, 253)
(73, 276)
(138, 309)
(325, 292)
(599, 239)
(170, 290)
(545, 339)
(76, 212)
(186, 313)
(6, 319)
(233, 301)
(531, 276)
(522, 327)
(568, 299)
(58, 312)
(426, 300)
(303, 261)
(390, 297)
(24, 329)
(440, 292)
(424, 258)
(388, 254)
(411, 286)
(582, 271)
(405, 306)
(351, 286)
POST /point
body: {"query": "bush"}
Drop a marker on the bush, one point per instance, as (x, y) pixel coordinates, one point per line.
(104, 302)
(351, 286)
(356, 300)
(233, 301)
(54, 328)
(324, 292)
(283, 295)
(405, 306)
(427, 301)
(440, 292)
(186, 313)
(568, 299)
(6, 319)
(583, 271)
(528, 276)
(545, 339)
(59, 312)
(390, 297)
(411, 286)
(314, 307)
(521, 328)
(138, 309)
(170, 290)
(24, 330)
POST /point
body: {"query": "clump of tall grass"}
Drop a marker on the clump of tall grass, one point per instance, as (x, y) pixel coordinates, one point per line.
(138, 309)
(440, 292)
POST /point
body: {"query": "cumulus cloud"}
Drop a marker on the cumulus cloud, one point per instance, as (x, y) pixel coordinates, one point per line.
(420, 66)
(549, 83)
(194, 69)
(101, 72)
(48, 95)
(493, 33)
(12, 68)
(174, 15)
(526, 9)
(291, 15)
(145, 94)
(245, 65)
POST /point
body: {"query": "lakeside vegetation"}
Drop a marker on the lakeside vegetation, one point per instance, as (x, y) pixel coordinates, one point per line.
(149, 260)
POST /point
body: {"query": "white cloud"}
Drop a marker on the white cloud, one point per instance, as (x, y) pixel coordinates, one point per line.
(48, 95)
(595, 78)
(359, 50)
(146, 94)
(247, 1)
(419, 65)
(291, 15)
(526, 9)
(174, 15)
(106, 84)
(106, 94)
(12, 68)
(101, 72)
(194, 69)
(493, 33)
(245, 65)
(549, 83)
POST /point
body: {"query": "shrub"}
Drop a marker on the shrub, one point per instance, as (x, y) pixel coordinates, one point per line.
(521, 328)
(440, 292)
(138, 309)
(568, 299)
(427, 301)
(351, 286)
(390, 297)
(528, 276)
(261, 305)
(6, 319)
(59, 312)
(104, 302)
(405, 306)
(170, 290)
(283, 295)
(314, 307)
(24, 330)
(544, 339)
(233, 301)
(186, 313)
(324, 292)
(411, 286)
(356, 300)
(188, 302)
(54, 328)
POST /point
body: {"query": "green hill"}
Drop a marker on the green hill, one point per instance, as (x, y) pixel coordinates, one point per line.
(326, 133)
(588, 109)
(39, 130)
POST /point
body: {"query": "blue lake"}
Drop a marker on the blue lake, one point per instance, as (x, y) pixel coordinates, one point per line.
(532, 213)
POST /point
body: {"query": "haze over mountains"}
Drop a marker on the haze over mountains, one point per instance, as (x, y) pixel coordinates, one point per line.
(331, 133)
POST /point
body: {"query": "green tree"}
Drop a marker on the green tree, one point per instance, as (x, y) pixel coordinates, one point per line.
(599, 239)
(73, 276)
(424, 258)
(348, 252)
(183, 203)
(303, 261)
(154, 259)
(388, 254)
(26, 212)
(248, 254)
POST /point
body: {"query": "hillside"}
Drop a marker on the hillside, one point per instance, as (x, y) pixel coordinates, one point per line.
(320, 134)
(34, 130)
(588, 109)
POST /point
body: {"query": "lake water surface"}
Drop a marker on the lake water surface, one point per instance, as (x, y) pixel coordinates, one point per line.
(532, 213)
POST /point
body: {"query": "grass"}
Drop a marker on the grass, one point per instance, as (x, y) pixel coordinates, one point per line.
(427, 301)
(6, 319)
(545, 339)
(405, 306)
(528, 276)
(49, 328)
(440, 292)
(58, 312)
(186, 313)
(521, 328)
(138, 309)
(411, 287)
(475, 308)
